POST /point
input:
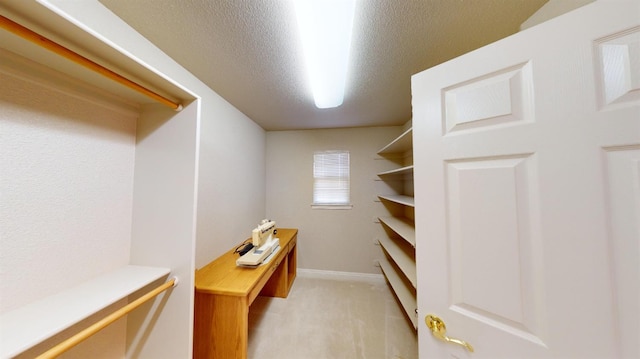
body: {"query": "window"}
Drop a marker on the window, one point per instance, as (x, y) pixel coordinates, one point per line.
(331, 179)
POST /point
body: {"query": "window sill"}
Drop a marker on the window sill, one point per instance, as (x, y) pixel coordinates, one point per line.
(331, 206)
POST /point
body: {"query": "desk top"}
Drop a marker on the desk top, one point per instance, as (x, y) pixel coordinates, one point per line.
(222, 276)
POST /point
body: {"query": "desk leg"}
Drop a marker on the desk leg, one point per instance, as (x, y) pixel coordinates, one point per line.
(221, 327)
(282, 278)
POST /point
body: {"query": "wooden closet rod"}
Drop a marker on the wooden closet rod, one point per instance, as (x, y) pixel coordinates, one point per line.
(96, 327)
(42, 41)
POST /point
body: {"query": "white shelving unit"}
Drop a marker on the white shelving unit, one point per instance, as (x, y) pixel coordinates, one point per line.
(403, 256)
(23, 328)
(400, 199)
(162, 237)
(404, 171)
(401, 144)
(398, 262)
(405, 295)
(404, 227)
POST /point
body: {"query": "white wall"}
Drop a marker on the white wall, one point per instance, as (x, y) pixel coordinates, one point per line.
(66, 186)
(552, 9)
(231, 191)
(331, 240)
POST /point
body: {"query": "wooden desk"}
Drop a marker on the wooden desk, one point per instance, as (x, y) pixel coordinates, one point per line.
(224, 293)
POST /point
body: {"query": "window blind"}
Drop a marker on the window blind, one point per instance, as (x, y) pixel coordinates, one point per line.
(331, 178)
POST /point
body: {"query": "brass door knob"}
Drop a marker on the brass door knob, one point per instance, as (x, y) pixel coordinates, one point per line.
(439, 330)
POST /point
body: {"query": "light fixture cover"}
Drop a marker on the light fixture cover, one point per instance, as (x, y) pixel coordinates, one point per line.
(325, 29)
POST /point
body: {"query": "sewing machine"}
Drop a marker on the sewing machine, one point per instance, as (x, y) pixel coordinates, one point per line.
(264, 244)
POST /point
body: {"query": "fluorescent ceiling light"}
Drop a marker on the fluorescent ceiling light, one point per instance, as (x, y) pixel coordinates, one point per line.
(325, 28)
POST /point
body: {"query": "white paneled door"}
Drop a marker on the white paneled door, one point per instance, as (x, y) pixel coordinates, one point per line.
(527, 192)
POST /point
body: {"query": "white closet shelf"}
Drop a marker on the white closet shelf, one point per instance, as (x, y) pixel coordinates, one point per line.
(403, 293)
(403, 258)
(398, 262)
(403, 143)
(404, 227)
(404, 171)
(23, 328)
(401, 199)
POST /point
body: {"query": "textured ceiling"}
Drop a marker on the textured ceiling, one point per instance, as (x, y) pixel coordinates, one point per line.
(248, 51)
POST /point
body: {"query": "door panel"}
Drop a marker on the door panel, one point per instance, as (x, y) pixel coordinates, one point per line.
(619, 67)
(503, 97)
(491, 209)
(528, 191)
(623, 182)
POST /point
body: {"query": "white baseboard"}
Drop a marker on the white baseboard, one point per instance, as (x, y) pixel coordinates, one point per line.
(334, 275)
